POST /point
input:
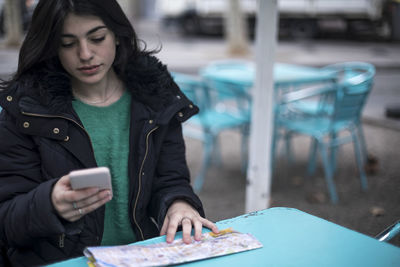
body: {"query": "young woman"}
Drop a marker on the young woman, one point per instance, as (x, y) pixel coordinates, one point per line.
(85, 95)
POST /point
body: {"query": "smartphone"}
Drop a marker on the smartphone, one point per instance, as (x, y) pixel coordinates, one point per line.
(94, 177)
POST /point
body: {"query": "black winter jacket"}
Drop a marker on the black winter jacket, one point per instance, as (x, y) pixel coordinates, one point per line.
(42, 139)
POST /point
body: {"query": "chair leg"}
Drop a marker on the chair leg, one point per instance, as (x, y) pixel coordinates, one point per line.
(275, 140)
(207, 154)
(333, 151)
(244, 148)
(364, 153)
(288, 138)
(328, 173)
(312, 157)
(216, 152)
(360, 161)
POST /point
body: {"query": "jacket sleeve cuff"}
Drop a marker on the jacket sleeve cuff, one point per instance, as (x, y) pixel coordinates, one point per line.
(44, 219)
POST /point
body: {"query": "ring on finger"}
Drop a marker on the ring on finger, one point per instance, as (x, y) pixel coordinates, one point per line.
(80, 211)
(74, 205)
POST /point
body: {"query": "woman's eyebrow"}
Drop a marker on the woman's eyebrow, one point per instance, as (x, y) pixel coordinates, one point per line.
(88, 33)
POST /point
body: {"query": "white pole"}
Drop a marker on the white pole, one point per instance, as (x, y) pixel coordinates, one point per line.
(259, 171)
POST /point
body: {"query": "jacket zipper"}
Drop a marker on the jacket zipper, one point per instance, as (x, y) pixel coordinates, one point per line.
(61, 243)
(61, 240)
(62, 117)
(140, 181)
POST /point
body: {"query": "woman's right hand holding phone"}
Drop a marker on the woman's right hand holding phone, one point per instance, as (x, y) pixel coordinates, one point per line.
(74, 204)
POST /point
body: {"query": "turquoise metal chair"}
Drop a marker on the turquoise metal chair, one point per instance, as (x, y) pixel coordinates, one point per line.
(348, 71)
(231, 81)
(390, 232)
(343, 71)
(335, 109)
(213, 118)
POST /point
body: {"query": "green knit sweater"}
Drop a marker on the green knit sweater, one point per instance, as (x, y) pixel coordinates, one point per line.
(108, 128)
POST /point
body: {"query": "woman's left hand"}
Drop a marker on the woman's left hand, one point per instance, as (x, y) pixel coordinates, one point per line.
(181, 213)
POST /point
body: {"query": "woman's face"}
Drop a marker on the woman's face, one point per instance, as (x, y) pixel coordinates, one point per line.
(87, 49)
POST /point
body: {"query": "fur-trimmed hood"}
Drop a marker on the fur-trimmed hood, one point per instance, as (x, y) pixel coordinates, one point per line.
(145, 77)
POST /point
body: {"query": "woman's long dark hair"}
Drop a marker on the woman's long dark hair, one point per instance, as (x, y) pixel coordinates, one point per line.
(41, 44)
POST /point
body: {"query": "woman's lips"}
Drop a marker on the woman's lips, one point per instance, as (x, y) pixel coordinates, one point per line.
(89, 69)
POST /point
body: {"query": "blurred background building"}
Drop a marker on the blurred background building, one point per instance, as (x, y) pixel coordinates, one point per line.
(298, 18)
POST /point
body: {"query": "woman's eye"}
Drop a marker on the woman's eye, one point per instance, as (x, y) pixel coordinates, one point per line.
(98, 40)
(67, 45)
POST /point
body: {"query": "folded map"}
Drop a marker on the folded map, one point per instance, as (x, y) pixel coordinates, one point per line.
(161, 254)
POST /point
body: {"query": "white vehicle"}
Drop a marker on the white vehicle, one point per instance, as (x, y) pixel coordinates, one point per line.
(309, 17)
(297, 17)
(201, 16)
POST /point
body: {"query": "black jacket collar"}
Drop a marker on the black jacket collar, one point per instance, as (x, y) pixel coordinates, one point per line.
(48, 92)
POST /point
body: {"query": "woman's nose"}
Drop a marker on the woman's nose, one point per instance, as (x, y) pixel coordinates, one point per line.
(85, 53)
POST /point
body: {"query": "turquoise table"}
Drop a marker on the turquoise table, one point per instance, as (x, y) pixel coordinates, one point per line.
(243, 73)
(294, 238)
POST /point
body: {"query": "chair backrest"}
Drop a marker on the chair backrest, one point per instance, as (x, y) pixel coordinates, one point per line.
(227, 83)
(226, 95)
(355, 81)
(212, 95)
(193, 88)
